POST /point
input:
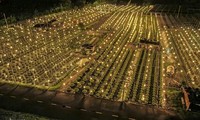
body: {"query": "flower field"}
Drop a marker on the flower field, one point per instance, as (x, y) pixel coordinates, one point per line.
(113, 52)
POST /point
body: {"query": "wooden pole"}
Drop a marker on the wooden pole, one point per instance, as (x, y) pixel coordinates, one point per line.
(179, 9)
(129, 2)
(5, 20)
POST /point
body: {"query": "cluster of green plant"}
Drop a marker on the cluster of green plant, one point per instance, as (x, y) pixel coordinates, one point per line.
(109, 76)
(45, 56)
(183, 42)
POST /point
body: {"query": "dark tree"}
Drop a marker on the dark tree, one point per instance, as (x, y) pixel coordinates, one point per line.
(90, 1)
(77, 3)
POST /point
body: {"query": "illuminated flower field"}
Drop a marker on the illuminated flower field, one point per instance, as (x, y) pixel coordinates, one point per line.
(119, 53)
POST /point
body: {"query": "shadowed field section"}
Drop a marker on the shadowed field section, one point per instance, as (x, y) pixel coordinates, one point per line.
(61, 105)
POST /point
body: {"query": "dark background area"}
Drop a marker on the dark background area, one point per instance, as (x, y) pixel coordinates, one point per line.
(23, 7)
(16, 10)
